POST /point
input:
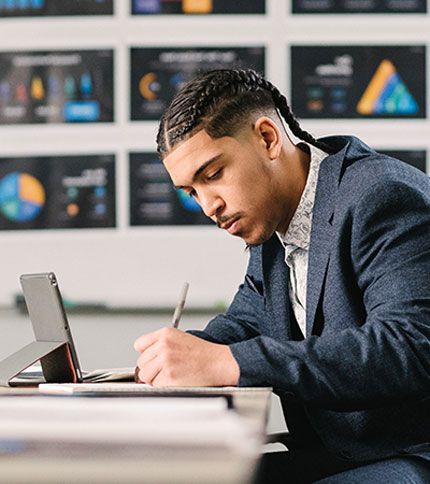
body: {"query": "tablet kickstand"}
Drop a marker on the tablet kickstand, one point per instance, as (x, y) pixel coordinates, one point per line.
(14, 364)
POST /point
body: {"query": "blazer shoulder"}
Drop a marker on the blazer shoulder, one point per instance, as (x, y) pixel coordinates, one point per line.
(362, 167)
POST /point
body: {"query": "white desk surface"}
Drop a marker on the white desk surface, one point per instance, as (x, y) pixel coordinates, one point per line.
(154, 465)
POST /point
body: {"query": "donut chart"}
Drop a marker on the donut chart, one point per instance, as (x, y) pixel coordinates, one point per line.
(22, 197)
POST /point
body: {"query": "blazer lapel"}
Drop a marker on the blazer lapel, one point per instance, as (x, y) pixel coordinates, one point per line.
(319, 249)
(276, 277)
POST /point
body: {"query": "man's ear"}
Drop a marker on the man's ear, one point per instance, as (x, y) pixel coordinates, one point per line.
(267, 130)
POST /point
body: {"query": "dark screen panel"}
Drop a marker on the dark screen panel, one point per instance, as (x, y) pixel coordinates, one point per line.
(359, 81)
(153, 198)
(37, 8)
(53, 192)
(56, 87)
(359, 6)
(158, 73)
(197, 7)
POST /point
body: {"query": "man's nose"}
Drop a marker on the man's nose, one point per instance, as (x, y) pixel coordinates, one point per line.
(211, 204)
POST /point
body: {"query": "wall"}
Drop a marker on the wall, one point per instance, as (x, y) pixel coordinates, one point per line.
(133, 266)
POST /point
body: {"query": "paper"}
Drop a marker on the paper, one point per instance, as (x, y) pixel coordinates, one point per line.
(110, 374)
(33, 375)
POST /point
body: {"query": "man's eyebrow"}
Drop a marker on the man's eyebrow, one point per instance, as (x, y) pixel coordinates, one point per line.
(200, 170)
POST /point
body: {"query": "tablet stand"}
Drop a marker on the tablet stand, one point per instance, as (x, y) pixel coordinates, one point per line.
(50, 351)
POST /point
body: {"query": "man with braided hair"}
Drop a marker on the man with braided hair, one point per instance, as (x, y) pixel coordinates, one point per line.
(334, 311)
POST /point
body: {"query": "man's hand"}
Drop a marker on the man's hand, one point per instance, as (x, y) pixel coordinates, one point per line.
(171, 357)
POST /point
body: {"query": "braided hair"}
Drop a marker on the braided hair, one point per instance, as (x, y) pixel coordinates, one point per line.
(218, 101)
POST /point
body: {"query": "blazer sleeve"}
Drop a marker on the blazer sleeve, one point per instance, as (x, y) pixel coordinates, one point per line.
(387, 357)
(241, 321)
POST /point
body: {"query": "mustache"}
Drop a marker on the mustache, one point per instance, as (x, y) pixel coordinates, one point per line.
(226, 218)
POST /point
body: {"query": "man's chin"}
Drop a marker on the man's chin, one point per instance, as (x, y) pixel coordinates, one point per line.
(254, 241)
(252, 238)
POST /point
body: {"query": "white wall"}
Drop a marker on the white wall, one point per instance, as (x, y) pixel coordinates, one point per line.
(146, 266)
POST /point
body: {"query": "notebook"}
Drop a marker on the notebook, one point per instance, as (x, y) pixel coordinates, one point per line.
(135, 389)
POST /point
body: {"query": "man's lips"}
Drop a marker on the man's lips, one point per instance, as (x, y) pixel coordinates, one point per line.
(231, 225)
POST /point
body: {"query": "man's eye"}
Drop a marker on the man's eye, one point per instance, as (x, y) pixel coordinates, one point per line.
(215, 175)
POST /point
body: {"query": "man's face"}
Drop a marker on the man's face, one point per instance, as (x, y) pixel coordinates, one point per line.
(232, 180)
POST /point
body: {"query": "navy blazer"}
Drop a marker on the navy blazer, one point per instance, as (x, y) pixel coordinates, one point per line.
(360, 381)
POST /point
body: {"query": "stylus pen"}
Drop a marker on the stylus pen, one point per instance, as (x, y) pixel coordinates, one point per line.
(180, 305)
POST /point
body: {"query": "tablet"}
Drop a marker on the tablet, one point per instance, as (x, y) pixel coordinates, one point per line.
(48, 318)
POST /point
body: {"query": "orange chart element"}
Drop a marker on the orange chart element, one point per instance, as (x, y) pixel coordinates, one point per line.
(145, 86)
(37, 91)
(31, 190)
(72, 209)
(197, 6)
(384, 71)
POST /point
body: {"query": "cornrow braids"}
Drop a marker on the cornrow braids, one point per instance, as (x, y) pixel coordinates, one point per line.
(219, 101)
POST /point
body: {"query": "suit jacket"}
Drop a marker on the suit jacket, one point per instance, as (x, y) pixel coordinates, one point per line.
(359, 384)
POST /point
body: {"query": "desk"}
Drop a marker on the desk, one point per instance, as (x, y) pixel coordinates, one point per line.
(169, 464)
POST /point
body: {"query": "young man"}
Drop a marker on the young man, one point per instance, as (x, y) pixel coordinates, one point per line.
(334, 311)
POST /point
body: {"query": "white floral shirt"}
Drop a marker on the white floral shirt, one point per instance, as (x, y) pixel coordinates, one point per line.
(297, 239)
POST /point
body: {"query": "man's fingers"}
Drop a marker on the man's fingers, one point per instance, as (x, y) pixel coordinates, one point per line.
(145, 341)
(149, 372)
(149, 364)
(163, 334)
(146, 357)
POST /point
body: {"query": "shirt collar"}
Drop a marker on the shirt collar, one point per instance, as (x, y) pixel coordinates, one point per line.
(299, 231)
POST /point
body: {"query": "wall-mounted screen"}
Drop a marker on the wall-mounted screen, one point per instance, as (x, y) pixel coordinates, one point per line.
(53, 192)
(157, 73)
(36, 8)
(359, 81)
(197, 7)
(359, 6)
(73, 86)
(153, 198)
(416, 158)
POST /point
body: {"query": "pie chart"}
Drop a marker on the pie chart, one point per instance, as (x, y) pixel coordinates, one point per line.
(22, 197)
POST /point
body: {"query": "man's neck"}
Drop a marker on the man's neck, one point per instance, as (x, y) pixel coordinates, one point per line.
(297, 170)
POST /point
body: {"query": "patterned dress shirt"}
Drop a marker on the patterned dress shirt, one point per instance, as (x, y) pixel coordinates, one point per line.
(297, 239)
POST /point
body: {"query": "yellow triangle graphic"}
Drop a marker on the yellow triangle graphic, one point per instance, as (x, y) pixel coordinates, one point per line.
(376, 84)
